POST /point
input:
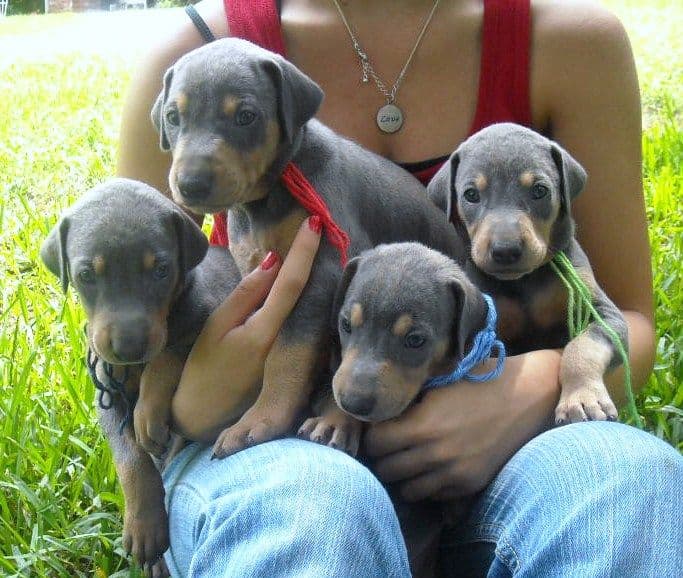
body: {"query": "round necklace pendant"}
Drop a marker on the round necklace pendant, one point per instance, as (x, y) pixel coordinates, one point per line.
(389, 118)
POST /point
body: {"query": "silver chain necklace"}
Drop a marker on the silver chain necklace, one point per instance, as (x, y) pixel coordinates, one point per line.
(389, 117)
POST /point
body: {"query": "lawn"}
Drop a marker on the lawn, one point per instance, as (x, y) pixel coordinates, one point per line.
(59, 501)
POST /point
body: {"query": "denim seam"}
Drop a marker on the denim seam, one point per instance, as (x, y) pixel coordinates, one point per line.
(485, 533)
(200, 499)
(505, 551)
(507, 555)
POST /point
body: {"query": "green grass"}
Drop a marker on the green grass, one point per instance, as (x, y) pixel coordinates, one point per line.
(59, 500)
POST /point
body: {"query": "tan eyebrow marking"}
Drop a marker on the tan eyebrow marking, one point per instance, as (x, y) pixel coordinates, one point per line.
(230, 104)
(181, 101)
(98, 264)
(148, 260)
(481, 182)
(402, 325)
(526, 179)
(356, 315)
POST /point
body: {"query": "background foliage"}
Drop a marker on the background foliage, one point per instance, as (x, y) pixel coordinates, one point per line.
(59, 501)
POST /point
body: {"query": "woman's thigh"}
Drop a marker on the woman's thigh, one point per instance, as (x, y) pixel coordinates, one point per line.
(284, 508)
(588, 499)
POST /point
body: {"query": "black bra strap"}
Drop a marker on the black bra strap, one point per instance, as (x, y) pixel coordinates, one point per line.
(198, 21)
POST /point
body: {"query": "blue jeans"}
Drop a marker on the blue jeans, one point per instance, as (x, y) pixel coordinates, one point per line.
(589, 499)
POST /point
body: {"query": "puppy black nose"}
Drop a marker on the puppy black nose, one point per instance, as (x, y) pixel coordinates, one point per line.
(129, 348)
(195, 186)
(506, 252)
(358, 404)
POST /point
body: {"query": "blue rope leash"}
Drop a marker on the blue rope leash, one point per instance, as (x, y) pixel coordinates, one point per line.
(484, 343)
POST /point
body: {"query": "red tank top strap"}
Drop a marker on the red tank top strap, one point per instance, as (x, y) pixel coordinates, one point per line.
(259, 22)
(504, 70)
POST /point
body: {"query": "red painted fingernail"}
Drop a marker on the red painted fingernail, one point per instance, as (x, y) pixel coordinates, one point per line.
(269, 261)
(316, 224)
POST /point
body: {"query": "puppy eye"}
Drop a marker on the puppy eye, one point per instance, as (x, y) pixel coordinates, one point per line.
(471, 195)
(539, 191)
(345, 325)
(161, 271)
(245, 117)
(172, 117)
(86, 277)
(415, 340)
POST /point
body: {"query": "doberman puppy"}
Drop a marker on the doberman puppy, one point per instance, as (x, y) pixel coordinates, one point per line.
(147, 281)
(234, 115)
(404, 313)
(509, 191)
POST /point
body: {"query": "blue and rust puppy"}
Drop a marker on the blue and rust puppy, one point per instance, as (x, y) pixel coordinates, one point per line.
(404, 314)
(509, 190)
(233, 116)
(141, 268)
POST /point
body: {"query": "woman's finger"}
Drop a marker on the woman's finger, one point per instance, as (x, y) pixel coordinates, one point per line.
(427, 484)
(244, 299)
(290, 281)
(413, 428)
(408, 463)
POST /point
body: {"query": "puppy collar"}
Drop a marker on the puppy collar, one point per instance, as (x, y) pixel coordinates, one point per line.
(304, 192)
(484, 343)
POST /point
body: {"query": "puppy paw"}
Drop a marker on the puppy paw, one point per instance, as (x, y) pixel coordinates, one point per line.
(342, 433)
(252, 429)
(145, 537)
(585, 403)
(158, 570)
(151, 429)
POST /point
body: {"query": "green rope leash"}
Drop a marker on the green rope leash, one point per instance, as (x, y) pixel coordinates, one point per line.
(580, 311)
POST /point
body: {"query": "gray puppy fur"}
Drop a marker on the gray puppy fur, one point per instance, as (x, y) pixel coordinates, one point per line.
(233, 116)
(404, 313)
(148, 282)
(509, 191)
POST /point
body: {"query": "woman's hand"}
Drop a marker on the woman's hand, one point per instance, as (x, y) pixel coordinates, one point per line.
(457, 438)
(223, 373)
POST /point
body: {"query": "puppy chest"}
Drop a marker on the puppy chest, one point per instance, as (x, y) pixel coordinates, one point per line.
(251, 241)
(535, 319)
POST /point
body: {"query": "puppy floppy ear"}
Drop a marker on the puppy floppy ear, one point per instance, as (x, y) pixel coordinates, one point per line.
(298, 97)
(470, 311)
(572, 175)
(441, 189)
(53, 252)
(192, 243)
(158, 111)
(453, 163)
(342, 288)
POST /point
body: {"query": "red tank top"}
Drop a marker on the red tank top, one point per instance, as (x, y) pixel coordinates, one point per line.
(503, 74)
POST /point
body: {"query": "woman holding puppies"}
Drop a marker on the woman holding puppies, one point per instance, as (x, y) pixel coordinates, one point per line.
(548, 504)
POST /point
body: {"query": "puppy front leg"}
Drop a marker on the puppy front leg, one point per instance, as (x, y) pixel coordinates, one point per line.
(152, 413)
(287, 383)
(145, 522)
(588, 356)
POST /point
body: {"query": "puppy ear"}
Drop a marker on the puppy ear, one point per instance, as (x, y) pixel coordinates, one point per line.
(53, 252)
(470, 311)
(572, 175)
(441, 189)
(298, 96)
(192, 243)
(342, 288)
(453, 163)
(158, 111)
